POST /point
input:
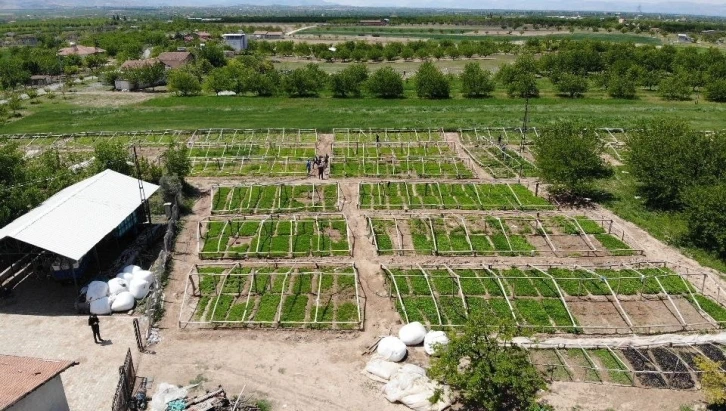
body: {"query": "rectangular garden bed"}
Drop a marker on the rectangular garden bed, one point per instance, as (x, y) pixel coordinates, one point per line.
(275, 198)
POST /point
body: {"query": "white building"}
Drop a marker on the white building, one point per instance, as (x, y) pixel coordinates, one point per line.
(238, 41)
(32, 384)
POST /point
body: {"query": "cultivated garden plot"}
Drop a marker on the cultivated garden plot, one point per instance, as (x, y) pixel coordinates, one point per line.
(614, 139)
(221, 136)
(404, 160)
(88, 140)
(250, 159)
(449, 196)
(320, 235)
(385, 135)
(497, 234)
(502, 161)
(657, 367)
(543, 298)
(275, 198)
(516, 136)
(302, 295)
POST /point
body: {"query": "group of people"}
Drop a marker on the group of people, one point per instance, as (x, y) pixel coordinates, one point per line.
(320, 163)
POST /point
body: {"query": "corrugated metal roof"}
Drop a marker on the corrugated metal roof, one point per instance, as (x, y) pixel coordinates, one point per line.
(74, 220)
(19, 376)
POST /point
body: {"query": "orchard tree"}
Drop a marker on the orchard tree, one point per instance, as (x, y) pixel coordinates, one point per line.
(484, 369)
(568, 157)
(217, 81)
(716, 91)
(386, 83)
(571, 85)
(176, 160)
(214, 54)
(304, 82)
(674, 88)
(706, 216)
(431, 82)
(183, 83)
(520, 78)
(667, 158)
(621, 87)
(476, 82)
(349, 81)
(109, 154)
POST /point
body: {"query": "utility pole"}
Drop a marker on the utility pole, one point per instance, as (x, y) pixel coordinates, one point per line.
(524, 123)
(142, 193)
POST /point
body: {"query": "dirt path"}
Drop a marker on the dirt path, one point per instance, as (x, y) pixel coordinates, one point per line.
(479, 172)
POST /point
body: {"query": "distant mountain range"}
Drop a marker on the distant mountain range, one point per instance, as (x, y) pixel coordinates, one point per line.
(712, 8)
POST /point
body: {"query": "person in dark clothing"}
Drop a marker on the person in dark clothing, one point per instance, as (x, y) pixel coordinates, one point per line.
(378, 138)
(321, 170)
(93, 322)
(327, 158)
(309, 166)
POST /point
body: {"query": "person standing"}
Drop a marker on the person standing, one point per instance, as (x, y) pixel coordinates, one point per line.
(93, 322)
(309, 166)
(321, 170)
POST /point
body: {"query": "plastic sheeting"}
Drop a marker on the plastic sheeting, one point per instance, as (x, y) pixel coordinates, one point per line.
(139, 288)
(433, 338)
(622, 342)
(392, 349)
(412, 333)
(131, 269)
(413, 389)
(381, 370)
(117, 286)
(125, 276)
(100, 306)
(143, 275)
(124, 301)
(96, 290)
(166, 393)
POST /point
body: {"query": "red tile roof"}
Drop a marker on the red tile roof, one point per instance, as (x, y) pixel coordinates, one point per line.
(175, 59)
(80, 50)
(135, 64)
(19, 376)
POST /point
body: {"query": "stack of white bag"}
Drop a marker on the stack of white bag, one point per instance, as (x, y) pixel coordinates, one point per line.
(137, 279)
(120, 293)
(97, 296)
(407, 384)
(415, 333)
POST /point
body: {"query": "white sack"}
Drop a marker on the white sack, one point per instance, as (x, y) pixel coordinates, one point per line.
(125, 276)
(391, 349)
(413, 369)
(139, 288)
(381, 368)
(413, 390)
(143, 275)
(131, 269)
(116, 286)
(433, 338)
(100, 306)
(124, 301)
(96, 290)
(412, 333)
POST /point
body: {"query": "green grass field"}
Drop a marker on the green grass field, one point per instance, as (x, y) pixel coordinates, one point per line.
(325, 113)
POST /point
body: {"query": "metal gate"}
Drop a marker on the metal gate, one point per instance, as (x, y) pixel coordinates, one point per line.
(125, 387)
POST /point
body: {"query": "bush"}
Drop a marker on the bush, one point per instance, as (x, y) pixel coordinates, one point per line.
(385, 83)
(304, 82)
(112, 155)
(621, 87)
(431, 82)
(571, 85)
(349, 81)
(706, 216)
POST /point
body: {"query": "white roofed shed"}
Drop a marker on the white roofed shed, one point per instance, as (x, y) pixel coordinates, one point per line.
(74, 220)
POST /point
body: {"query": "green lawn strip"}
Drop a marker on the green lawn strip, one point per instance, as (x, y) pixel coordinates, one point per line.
(520, 286)
(616, 247)
(401, 281)
(220, 198)
(347, 312)
(301, 284)
(577, 359)
(529, 200)
(236, 312)
(500, 308)
(294, 308)
(619, 281)
(223, 304)
(234, 284)
(534, 314)
(569, 281)
(383, 239)
(470, 285)
(589, 226)
(714, 309)
(201, 307)
(421, 236)
(452, 308)
(558, 313)
(443, 282)
(327, 281)
(302, 241)
(545, 286)
(421, 309)
(267, 308)
(615, 370)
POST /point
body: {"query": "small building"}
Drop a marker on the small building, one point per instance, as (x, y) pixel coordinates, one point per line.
(32, 384)
(175, 59)
(137, 64)
(268, 35)
(77, 50)
(684, 38)
(238, 41)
